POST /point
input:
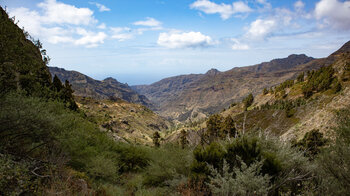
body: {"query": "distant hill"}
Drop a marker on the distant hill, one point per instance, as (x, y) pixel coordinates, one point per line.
(86, 86)
(197, 95)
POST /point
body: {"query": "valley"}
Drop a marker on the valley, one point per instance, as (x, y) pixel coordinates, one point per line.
(276, 128)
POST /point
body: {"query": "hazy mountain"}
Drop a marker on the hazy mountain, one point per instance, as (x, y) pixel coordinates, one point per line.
(86, 86)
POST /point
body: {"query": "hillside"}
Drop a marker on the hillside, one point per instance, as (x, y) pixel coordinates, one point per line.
(281, 141)
(124, 121)
(21, 67)
(108, 88)
(283, 110)
(289, 110)
(315, 111)
(197, 95)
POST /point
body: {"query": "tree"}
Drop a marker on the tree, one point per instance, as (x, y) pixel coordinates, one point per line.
(312, 143)
(214, 125)
(57, 84)
(248, 101)
(300, 77)
(67, 96)
(228, 127)
(183, 138)
(265, 91)
(156, 139)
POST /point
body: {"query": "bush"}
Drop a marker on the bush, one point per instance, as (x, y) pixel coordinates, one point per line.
(287, 167)
(34, 128)
(334, 162)
(312, 143)
(241, 181)
(169, 166)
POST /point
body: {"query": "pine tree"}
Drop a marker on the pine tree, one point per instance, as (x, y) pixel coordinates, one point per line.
(156, 139)
(67, 96)
(57, 84)
(228, 127)
(214, 124)
(300, 78)
(248, 101)
(183, 139)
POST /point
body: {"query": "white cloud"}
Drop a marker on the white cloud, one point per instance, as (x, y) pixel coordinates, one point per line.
(237, 45)
(260, 28)
(150, 22)
(334, 13)
(90, 39)
(56, 22)
(184, 40)
(122, 33)
(60, 13)
(299, 5)
(225, 10)
(30, 20)
(101, 8)
(102, 26)
(60, 39)
(267, 5)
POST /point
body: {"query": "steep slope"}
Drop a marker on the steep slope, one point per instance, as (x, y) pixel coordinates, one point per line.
(197, 95)
(108, 88)
(21, 63)
(292, 114)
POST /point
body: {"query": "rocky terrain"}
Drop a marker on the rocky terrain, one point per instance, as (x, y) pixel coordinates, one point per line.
(108, 88)
(290, 114)
(196, 96)
(124, 121)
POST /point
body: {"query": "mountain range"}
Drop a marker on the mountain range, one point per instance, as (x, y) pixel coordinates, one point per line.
(108, 88)
(196, 96)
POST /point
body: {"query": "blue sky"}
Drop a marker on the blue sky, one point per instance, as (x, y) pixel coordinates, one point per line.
(143, 41)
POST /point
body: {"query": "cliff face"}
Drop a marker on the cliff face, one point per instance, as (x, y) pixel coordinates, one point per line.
(108, 88)
(197, 95)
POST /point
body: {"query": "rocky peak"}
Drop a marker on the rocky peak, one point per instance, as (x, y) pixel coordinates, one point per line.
(212, 72)
(111, 80)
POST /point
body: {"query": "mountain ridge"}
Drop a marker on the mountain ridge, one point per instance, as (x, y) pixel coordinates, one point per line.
(195, 96)
(84, 85)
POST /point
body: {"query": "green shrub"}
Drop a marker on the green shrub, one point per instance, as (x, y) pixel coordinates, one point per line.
(312, 143)
(169, 165)
(287, 167)
(246, 180)
(248, 101)
(334, 162)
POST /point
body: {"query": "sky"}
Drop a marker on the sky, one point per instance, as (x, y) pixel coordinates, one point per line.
(143, 41)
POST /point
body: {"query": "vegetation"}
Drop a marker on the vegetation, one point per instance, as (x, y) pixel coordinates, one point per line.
(48, 146)
(219, 127)
(265, 91)
(248, 101)
(156, 139)
(320, 80)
